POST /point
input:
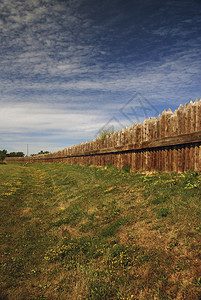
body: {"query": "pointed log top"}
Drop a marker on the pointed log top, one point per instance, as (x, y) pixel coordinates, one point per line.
(153, 119)
(164, 112)
(180, 107)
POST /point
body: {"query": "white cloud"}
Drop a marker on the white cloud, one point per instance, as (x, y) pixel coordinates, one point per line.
(25, 117)
(63, 70)
(45, 125)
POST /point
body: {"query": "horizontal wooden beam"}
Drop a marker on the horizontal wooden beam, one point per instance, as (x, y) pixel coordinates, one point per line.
(182, 139)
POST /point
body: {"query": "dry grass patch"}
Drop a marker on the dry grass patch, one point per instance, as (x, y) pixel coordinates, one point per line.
(72, 232)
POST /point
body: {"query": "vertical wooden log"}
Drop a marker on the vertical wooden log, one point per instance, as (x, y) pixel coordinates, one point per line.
(158, 127)
(162, 124)
(175, 123)
(126, 133)
(133, 165)
(180, 162)
(137, 164)
(192, 157)
(129, 143)
(138, 141)
(150, 160)
(180, 120)
(118, 141)
(133, 134)
(196, 107)
(168, 130)
(196, 162)
(188, 118)
(160, 159)
(117, 160)
(165, 164)
(199, 116)
(187, 158)
(152, 123)
(146, 139)
(162, 130)
(193, 117)
(121, 137)
(170, 155)
(130, 136)
(156, 159)
(167, 134)
(199, 159)
(197, 129)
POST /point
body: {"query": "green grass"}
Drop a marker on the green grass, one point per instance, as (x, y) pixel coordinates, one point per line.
(73, 232)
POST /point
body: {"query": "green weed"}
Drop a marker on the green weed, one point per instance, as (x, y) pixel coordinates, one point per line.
(112, 228)
(80, 232)
(163, 212)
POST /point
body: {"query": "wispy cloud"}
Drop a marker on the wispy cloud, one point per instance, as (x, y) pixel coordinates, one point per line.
(51, 125)
(76, 63)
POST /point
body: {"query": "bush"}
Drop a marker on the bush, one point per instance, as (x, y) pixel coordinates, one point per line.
(163, 212)
(3, 154)
(126, 168)
(103, 133)
(159, 200)
(112, 228)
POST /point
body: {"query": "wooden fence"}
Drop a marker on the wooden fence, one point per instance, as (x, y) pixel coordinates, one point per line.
(172, 142)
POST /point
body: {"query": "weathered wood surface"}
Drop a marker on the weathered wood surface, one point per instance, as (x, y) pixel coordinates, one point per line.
(172, 142)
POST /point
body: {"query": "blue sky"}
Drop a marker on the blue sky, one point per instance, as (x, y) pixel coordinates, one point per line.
(70, 67)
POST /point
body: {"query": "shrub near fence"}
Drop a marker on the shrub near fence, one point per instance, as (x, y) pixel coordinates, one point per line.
(172, 142)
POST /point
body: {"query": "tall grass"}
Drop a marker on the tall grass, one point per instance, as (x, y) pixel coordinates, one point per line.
(72, 232)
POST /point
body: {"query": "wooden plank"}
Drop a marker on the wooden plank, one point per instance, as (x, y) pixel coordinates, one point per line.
(170, 160)
(166, 160)
(199, 116)
(187, 159)
(175, 160)
(181, 120)
(191, 157)
(196, 166)
(180, 160)
(133, 164)
(183, 158)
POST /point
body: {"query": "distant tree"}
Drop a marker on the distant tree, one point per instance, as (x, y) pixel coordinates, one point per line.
(3, 154)
(43, 152)
(16, 154)
(103, 133)
(20, 154)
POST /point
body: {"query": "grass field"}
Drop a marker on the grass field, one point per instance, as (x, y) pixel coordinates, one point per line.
(72, 232)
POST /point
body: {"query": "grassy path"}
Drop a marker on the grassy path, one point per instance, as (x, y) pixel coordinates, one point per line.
(71, 232)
